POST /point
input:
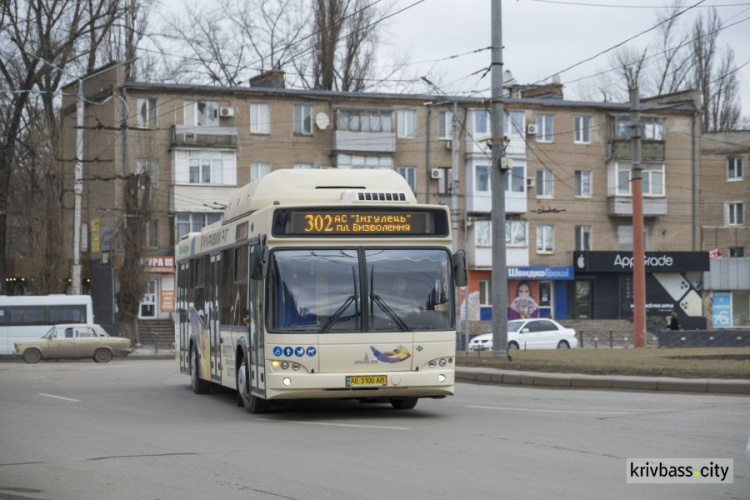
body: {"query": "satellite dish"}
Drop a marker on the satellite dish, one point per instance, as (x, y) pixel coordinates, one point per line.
(322, 120)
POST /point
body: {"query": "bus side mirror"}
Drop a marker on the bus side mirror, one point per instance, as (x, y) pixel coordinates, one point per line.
(460, 276)
(258, 261)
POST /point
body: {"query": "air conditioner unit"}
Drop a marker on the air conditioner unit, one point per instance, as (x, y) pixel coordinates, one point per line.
(530, 182)
(226, 112)
(531, 129)
(449, 145)
(436, 173)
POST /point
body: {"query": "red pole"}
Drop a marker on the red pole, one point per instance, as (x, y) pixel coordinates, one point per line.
(639, 265)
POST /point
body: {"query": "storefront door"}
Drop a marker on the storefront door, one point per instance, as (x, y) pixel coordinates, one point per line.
(584, 299)
(148, 305)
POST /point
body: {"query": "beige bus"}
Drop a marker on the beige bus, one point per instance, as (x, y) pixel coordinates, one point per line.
(321, 284)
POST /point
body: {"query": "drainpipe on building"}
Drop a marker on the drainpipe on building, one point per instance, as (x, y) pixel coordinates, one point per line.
(427, 176)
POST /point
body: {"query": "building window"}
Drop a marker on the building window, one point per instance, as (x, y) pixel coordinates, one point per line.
(652, 180)
(206, 167)
(485, 292)
(515, 179)
(515, 233)
(583, 129)
(583, 238)
(193, 222)
(736, 251)
(364, 121)
(152, 234)
(148, 167)
(446, 125)
(625, 238)
(481, 122)
(545, 184)
(260, 119)
(734, 169)
(302, 119)
(652, 129)
(410, 174)
(201, 113)
(545, 239)
(483, 233)
(482, 178)
(735, 215)
(358, 161)
(583, 183)
(407, 123)
(304, 166)
(544, 130)
(147, 113)
(259, 169)
(515, 123)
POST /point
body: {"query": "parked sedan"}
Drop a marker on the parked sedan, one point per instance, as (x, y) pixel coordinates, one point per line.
(530, 334)
(74, 341)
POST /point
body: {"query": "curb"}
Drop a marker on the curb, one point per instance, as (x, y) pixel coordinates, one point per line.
(616, 382)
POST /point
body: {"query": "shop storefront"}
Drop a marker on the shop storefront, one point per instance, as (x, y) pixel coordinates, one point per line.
(158, 301)
(728, 283)
(603, 287)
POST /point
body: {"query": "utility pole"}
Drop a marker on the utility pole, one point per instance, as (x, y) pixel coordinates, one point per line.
(639, 265)
(78, 194)
(497, 184)
(454, 176)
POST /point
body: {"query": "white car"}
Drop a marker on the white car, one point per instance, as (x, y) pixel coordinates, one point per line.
(531, 334)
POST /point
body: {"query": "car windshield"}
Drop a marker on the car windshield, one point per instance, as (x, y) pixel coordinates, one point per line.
(323, 291)
(50, 333)
(514, 326)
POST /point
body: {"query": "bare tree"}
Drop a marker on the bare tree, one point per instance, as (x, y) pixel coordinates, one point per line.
(724, 107)
(39, 42)
(673, 62)
(132, 238)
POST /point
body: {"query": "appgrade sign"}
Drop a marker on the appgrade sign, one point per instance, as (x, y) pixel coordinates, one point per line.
(656, 262)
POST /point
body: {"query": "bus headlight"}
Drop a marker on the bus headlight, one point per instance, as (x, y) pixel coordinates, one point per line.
(441, 378)
(442, 362)
(295, 366)
(287, 381)
(275, 364)
(284, 365)
(432, 364)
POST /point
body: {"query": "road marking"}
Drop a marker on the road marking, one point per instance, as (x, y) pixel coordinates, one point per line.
(599, 412)
(338, 425)
(59, 397)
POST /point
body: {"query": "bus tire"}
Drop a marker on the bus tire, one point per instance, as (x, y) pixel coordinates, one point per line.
(103, 356)
(404, 403)
(252, 404)
(198, 385)
(32, 355)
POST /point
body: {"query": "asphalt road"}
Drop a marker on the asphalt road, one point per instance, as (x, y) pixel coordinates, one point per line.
(133, 429)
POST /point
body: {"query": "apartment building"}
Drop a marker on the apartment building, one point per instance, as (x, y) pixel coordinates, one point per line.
(567, 187)
(725, 198)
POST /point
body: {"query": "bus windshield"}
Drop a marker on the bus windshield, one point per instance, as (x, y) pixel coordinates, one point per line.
(323, 290)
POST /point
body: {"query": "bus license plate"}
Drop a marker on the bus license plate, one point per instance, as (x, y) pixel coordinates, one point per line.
(366, 380)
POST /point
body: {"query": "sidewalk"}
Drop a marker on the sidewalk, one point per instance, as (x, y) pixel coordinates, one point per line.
(149, 352)
(578, 381)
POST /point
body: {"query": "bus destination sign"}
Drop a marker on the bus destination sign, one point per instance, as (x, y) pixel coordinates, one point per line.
(360, 222)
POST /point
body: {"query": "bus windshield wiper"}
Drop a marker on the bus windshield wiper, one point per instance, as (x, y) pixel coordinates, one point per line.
(335, 317)
(390, 312)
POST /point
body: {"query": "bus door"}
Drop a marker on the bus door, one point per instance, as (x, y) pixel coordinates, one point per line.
(183, 285)
(257, 336)
(214, 315)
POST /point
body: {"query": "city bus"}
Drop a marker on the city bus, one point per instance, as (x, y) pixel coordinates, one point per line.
(28, 317)
(321, 284)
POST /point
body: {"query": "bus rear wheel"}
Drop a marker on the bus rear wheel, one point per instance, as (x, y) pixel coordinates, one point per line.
(252, 404)
(32, 355)
(404, 403)
(198, 385)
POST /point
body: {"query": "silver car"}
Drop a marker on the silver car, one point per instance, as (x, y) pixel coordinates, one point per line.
(74, 341)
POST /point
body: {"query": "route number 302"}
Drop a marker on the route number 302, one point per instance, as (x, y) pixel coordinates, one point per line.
(319, 223)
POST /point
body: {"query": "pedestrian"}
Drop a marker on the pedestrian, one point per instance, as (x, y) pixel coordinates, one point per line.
(673, 324)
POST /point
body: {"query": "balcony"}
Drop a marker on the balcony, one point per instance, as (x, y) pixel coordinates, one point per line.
(623, 150)
(204, 137)
(364, 142)
(622, 206)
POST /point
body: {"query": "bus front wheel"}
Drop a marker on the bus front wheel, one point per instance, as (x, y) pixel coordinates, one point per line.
(252, 404)
(198, 385)
(404, 403)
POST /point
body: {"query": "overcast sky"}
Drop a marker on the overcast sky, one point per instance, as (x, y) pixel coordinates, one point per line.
(541, 38)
